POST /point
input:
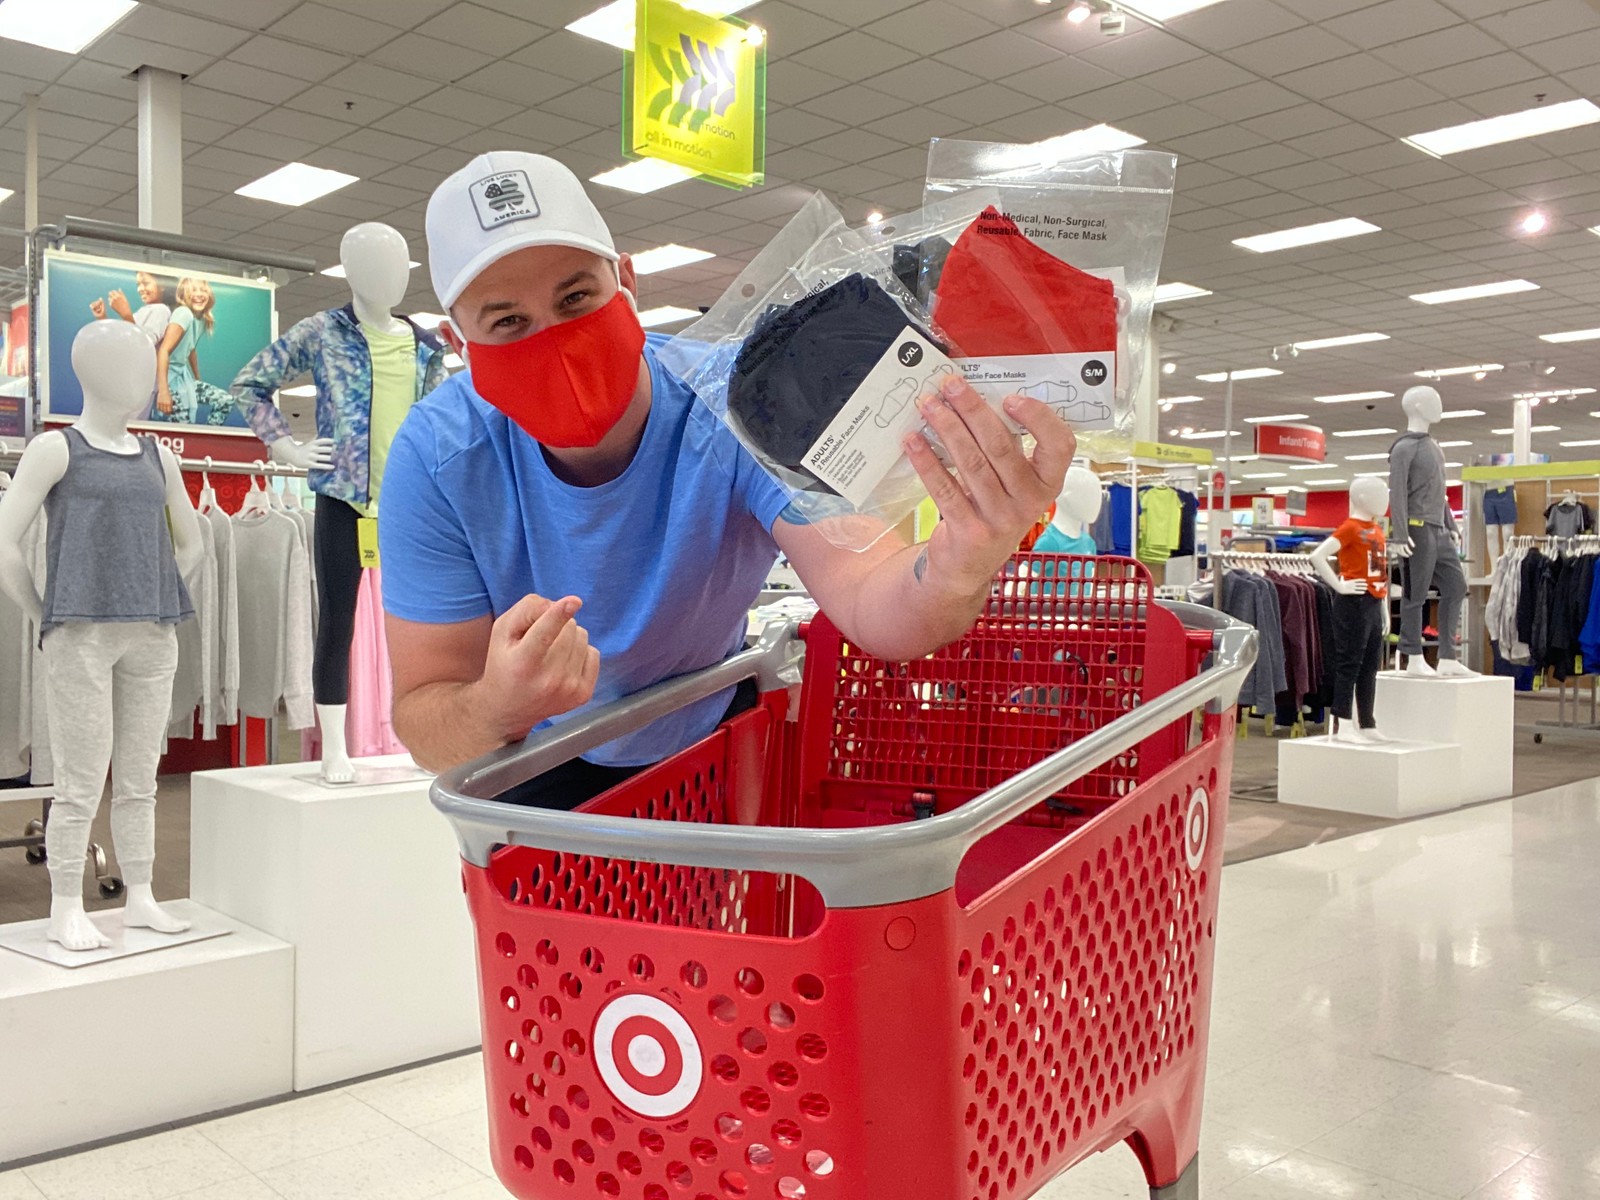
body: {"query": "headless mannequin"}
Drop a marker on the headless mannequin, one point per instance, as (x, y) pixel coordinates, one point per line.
(377, 264)
(1424, 409)
(116, 365)
(1079, 503)
(1369, 500)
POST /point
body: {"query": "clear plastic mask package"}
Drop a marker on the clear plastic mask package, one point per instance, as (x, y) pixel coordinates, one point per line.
(1050, 291)
(814, 357)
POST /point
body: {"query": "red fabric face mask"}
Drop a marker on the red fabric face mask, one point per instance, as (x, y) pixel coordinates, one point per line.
(568, 385)
(1002, 294)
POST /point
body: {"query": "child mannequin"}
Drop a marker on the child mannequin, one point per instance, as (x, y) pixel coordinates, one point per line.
(1076, 510)
(1354, 563)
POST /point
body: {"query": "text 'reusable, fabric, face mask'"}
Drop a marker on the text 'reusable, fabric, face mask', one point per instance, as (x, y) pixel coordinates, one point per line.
(1001, 294)
(802, 363)
(566, 386)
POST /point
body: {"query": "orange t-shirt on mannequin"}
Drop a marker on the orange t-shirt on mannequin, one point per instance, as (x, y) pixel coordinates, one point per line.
(1362, 554)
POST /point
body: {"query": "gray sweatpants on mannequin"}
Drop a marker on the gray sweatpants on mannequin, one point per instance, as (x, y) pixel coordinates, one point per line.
(1433, 562)
(109, 691)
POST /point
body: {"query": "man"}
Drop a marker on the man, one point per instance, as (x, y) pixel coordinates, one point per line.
(566, 470)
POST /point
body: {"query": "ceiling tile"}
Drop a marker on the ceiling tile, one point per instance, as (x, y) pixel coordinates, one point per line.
(331, 29)
(861, 105)
(1391, 21)
(252, 83)
(930, 27)
(444, 62)
(481, 29)
(383, 83)
(568, 56)
(999, 54)
(1291, 51)
(916, 83)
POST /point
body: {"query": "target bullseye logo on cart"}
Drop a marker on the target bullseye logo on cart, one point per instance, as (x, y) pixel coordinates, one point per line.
(1196, 828)
(648, 1056)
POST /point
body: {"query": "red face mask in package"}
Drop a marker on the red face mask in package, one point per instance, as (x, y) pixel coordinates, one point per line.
(1027, 322)
(568, 385)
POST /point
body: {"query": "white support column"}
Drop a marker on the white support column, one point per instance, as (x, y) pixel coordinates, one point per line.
(1522, 433)
(30, 169)
(1227, 452)
(1147, 399)
(160, 150)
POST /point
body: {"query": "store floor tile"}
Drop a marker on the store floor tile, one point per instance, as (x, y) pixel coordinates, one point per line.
(1409, 1013)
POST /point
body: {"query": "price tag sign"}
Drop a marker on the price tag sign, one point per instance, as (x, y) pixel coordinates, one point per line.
(367, 541)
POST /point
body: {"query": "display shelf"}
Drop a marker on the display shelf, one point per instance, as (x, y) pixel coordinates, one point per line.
(1392, 780)
(1476, 714)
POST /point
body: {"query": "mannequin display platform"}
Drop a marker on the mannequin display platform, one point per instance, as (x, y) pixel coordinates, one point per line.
(1425, 536)
(369, 366)
(1354, 564)
(121, 535)
(1391, 779)
(1476, 714)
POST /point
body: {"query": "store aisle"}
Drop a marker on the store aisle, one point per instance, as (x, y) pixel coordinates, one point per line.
(1407, 1014)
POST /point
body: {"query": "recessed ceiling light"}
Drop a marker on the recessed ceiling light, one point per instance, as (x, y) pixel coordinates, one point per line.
(1168, 292)
(66, 25)
(1377, 432)
(1349, 339)
(645, 175)
(1307, 235)
(428, 320)
(1365, 457)
(613, 24)
(1452, 445)
(1279, 417)
(874, 217)
(1481, 291)
(1583, 442)
(6, 194)
(1531, 122)
(1575, 335)
(1352, 397)
(294, 184)
(667, 314)
(1536, 221)
(1079, 13)
(1252, 373)
(1183, 399)
(1164, 10)
(1535, 429)
(1455, 414)
(1475, 369)
(1167, 368)
(337, 270)
(305, 389)
(1210, 434)
(667, 258)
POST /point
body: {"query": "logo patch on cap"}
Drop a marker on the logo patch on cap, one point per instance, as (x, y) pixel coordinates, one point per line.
(504, 197)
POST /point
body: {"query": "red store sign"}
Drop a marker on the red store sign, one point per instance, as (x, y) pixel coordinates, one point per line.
(1302, 443)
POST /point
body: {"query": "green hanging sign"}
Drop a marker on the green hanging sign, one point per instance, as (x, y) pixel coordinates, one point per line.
(695, 93)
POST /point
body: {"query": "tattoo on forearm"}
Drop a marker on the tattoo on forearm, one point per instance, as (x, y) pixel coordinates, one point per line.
(920, 567)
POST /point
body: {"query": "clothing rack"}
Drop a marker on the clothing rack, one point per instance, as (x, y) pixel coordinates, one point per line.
(257, 467)
(1570, 725)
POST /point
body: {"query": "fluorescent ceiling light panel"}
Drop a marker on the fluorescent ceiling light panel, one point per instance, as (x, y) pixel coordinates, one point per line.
(1164, 10)
(305, 389)
(1443, 372)
(1583, 442)
(337, 270)
(1377, 432)
(1080, 143)
(1317, 466)
(1452, 445)
(1535, 429)
(66, 25)
(1349, 339)
(1480, 291)
(1576, 335)
(1353, 397)
(1307, 235)
(1558, 394)
(1183, 399)
(1251, 373)
(1492, 131)
(294, 184)
(1365, 457)
(667, 314)
(667, 258)
(1209, 435)
(1169, 292)
(613, 24)
(1266, 475)
(646, 175)
(1279, 417)
(1325, 482)
(1456, 414)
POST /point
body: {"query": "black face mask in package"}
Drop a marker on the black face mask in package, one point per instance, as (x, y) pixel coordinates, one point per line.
(803, 362)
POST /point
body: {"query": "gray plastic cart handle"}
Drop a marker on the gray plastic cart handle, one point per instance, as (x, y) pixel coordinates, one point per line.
(852, 868)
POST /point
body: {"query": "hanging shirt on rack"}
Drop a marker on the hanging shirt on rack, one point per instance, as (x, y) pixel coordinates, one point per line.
(274, 617)
(1500, 613)
(225, 648)
(1186, 529)
(1568, 518)
(1104, 540)
(1119, 502)
(1160, 523)
(1254, 601)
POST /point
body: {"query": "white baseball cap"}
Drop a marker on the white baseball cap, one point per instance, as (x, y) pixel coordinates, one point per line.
(503, 202)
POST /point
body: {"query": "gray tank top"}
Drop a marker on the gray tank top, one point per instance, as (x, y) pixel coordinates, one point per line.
(108, 548)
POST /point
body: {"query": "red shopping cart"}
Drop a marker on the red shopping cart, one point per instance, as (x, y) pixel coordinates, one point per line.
(925, 931)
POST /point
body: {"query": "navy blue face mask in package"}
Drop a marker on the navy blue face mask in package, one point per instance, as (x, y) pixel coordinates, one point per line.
(815, 358)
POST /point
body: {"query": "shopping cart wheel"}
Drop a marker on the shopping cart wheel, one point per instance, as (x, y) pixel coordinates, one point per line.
(34, 854)
(1538, 739)
(1187, 1186)
(111, 887)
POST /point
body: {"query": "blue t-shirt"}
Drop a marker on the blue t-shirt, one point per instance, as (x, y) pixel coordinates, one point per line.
(667, 557)
(1053, 541)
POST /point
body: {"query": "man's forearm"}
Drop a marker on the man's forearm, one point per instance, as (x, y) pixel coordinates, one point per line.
(902, 611)
(446, 724)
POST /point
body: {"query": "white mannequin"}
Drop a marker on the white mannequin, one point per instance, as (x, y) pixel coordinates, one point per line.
(1424, 408)
(377, 265)
(1369, 500)
(116, 364)
(1078, 506)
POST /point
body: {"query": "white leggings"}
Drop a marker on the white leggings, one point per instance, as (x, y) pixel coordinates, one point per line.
(109, 690)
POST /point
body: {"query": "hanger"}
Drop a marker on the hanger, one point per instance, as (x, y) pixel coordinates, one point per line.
(256, 499)
(5, 480)
(291, 495)
(208, 497)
